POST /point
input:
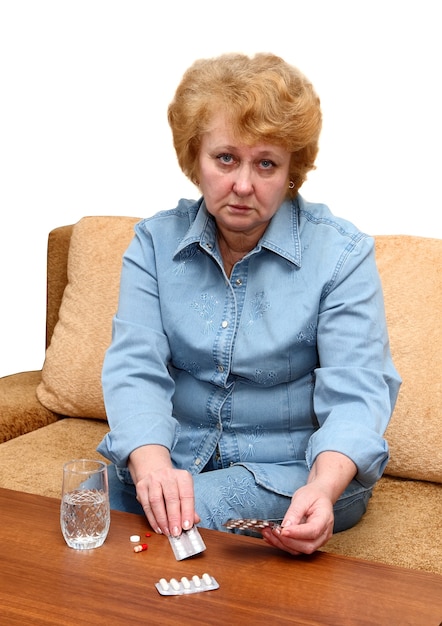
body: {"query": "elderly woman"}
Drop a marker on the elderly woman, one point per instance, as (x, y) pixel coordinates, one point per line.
(249, 373)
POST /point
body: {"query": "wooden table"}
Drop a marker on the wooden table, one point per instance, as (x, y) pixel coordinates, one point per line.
(42, 581)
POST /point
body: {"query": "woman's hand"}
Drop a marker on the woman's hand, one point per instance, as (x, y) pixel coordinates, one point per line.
(166, 494)
(308, 523)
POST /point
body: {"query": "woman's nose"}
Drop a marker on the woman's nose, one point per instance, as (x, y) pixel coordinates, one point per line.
(243, 184)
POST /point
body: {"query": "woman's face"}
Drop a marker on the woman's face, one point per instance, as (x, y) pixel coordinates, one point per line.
(243, 186)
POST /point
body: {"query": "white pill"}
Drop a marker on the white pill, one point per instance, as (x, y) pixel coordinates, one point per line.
(186, 582)
(196, 581)
(175, 584)
(195, 541)
(164, 584)
(207, 579)
(135, 538)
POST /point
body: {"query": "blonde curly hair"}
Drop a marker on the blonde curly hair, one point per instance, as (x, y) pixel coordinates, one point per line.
(265, 100)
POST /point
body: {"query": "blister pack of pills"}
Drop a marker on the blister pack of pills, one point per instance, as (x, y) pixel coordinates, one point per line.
(250, 524)
(187, 544)
(196, 584)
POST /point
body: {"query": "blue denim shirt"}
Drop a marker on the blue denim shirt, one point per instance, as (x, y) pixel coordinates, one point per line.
(287, 358)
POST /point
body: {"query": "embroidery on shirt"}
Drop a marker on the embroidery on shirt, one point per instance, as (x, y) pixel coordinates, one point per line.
(264, 378)
(185, 255)
(252, 438)
(258, 306)
(309, 336)
(206, 309)
(193, 444)
(192, 368)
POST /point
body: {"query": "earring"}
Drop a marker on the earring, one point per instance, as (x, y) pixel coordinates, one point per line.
(291, 185)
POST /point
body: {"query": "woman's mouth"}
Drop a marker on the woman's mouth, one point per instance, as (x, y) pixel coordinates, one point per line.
(240, 207)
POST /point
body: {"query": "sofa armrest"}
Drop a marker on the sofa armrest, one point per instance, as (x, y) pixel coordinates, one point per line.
(20, 410)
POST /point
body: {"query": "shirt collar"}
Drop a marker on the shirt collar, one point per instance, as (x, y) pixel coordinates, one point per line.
(281, 236)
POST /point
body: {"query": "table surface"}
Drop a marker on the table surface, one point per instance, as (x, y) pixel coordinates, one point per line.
(42, 581)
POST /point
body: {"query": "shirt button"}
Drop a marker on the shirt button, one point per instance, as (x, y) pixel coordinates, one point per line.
(238, 282)
(224, 323)
(198, 461)
(220, 368)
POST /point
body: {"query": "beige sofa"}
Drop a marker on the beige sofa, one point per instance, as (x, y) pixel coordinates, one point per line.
(50, 416)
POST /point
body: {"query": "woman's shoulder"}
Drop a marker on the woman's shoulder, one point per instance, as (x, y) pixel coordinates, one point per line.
(184, 213)
(320, 218)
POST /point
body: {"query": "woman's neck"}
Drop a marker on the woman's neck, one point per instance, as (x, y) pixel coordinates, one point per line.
(233, 247)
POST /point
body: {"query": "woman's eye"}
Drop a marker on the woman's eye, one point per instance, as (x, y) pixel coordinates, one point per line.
(225, 158)
(266, 164)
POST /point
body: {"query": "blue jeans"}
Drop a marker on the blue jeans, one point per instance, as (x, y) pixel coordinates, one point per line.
(232, 492)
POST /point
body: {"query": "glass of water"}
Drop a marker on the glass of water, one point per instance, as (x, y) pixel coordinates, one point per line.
(85, 513)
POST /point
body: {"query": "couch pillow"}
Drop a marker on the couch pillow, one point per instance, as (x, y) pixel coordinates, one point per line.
(411, 274)
(71, 376)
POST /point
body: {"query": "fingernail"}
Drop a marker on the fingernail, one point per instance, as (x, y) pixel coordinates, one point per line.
(186, 524)
(176, 531)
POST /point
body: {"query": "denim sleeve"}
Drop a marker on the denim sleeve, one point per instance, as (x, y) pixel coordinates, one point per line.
(136, 383)
(356, 384)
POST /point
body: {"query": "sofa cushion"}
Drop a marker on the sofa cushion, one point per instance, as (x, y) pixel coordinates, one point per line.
(34, 461)
(402, 526)
(21, 412)
(411, 273)
(71, 376)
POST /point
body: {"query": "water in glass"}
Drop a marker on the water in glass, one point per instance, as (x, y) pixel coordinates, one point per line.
(85, 518)
(84, 511)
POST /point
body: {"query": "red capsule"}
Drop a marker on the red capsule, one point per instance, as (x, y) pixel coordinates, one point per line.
(141, 548)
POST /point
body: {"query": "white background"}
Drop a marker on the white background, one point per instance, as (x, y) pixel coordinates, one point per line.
(84, 87)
